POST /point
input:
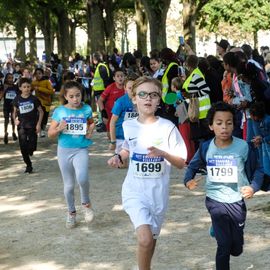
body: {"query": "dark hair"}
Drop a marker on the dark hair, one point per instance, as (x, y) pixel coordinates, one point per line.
(192, 61)
(257, 109)
(117, 70)
(220, 106)
(68, 85)
(39, 69)
(6, 76)
(69, 76)
(24, 80)
(231, 59)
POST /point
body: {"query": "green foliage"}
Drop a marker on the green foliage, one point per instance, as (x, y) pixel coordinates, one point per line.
(248, 15)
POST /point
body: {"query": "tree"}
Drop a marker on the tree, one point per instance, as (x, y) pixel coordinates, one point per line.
(248, 15)
(191, 10)
(157, 13)
(141, 23)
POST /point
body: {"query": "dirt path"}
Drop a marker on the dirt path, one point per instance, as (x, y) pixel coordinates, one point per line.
(33, 234)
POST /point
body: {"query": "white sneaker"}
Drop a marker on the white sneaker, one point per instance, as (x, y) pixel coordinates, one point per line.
(42, 134)
(88, 214)
(71, 221)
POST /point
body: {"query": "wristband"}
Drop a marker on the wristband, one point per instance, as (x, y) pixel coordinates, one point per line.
(120, 158)
(112, 142)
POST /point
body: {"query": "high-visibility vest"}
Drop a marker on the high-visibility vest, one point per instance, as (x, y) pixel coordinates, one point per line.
(204, 101)
(98, 84)
(165, 81)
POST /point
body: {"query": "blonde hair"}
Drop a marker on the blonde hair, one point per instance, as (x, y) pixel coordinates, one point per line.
(146, 79)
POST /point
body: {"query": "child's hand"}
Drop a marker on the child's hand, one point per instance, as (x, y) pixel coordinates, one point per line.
(192, 184)
(62, 125)
(112, 146)
(115, 162)
(257, 141)
(38, 128)
(90, 130)
(247, 192)
(155, 152)
(17, 122)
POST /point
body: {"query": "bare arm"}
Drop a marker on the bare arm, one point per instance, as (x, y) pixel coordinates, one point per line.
(117, 160)
(112, 131)
(56, 128)
(40, 116)
(176, 161)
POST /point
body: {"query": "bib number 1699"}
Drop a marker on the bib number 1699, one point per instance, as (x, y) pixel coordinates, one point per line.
(148, 167)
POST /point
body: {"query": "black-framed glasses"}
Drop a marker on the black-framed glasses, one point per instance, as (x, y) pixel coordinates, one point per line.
(152, 95)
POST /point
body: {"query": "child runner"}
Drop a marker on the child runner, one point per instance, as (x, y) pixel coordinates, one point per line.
(44, 92)
(27, 115)
(230, 168)
(262, 138)
(123, 109)
(73, 124)
(152, 144)
(10, 92)
(109, 96)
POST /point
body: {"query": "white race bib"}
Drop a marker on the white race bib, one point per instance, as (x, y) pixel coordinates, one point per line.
(147, 167)
(130, 115)
(222, 170)
(26, 107)
(10, 95)
(75, 125)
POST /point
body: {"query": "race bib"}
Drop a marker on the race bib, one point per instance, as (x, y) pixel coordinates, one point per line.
(26, 107)
(222, 170)
(130, 115)
(75, 125)
(147, 167)
(10, 95)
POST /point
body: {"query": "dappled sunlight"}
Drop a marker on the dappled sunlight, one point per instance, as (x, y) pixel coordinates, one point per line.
(39, 266)
(26, 209)
(117, 207)
(255, 244)
(175, 227)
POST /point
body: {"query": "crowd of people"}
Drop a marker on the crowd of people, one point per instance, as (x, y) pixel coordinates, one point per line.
(209, 114)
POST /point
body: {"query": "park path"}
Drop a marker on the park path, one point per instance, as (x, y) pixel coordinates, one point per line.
(33, 234)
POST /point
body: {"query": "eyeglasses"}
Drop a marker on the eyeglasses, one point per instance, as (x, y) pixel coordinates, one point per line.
(152, 95)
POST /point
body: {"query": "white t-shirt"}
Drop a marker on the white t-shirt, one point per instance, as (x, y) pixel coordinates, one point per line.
(148, 178)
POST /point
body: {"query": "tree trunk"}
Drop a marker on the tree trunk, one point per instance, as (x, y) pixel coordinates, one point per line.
(189, 23)
(95, 16)
(157, 14)
(109, 26)
(255, 39)
(64, 36)
(141, 25)
(45, 26)
(72, 26)
(20, 40)
(32, 42)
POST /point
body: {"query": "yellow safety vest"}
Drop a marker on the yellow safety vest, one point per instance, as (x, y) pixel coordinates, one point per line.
(165, 81)
(98, 84)
(204, 101)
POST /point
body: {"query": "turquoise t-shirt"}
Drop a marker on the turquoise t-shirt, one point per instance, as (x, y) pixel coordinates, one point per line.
(226, 171)
(74, 135)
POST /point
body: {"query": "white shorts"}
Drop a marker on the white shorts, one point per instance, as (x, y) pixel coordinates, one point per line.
(142, 213)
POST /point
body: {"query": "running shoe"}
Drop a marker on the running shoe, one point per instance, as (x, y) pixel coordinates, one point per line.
(29, 169)
(14, 136)
(101, 128)
(88, 213)
(6, 138)
(71, 220)
(42, 134)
